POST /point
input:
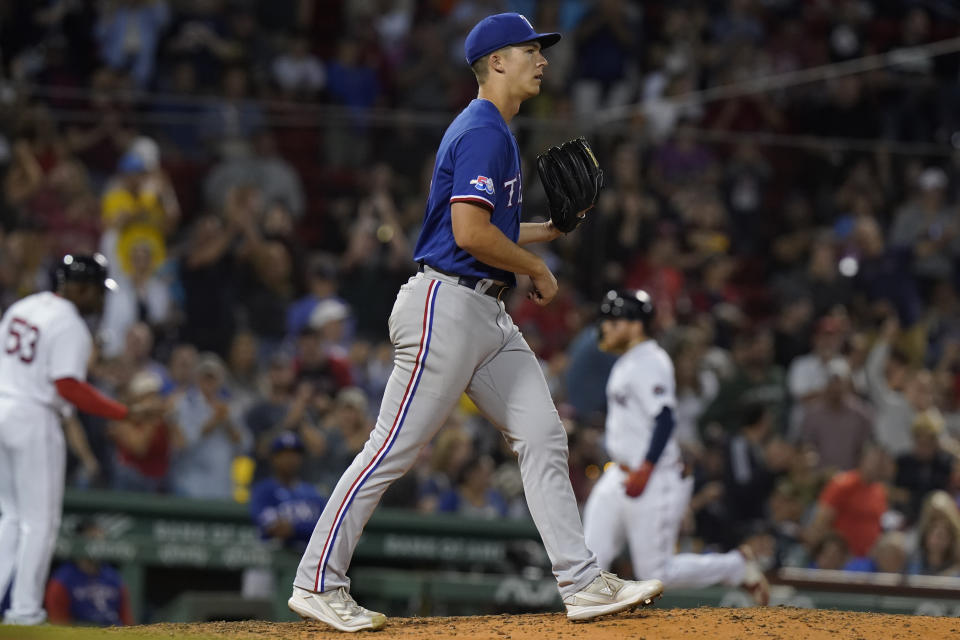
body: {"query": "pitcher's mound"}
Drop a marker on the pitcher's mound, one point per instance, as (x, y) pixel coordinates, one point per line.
(772, 623)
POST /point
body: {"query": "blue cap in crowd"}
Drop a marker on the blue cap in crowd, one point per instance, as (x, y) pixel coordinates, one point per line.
(286, 441)
(500, 30)
(131, 162)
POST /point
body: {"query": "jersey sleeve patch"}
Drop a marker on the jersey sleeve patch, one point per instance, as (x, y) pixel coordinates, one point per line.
(483, 183)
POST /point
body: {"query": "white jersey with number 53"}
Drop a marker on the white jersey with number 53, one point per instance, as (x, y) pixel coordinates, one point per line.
(43, 338)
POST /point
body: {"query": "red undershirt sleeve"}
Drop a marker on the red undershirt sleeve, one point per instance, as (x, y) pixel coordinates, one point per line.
(87, 399)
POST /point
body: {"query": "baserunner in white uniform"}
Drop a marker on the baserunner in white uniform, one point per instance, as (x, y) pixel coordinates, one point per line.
(642, 496)
(45, 346)
(452, 334)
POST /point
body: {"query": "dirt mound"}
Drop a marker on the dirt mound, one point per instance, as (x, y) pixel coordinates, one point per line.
(773, 623)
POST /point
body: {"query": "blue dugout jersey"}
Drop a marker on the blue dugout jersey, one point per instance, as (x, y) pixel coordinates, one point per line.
(478, 162)
(300, 504)
(93, 599)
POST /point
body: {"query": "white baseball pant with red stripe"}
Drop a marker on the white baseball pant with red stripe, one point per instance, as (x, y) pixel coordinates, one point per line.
(450, 339)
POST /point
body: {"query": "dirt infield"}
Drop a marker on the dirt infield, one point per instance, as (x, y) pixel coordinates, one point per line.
(773, 623)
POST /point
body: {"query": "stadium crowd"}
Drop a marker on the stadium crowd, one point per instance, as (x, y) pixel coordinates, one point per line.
(259, 220)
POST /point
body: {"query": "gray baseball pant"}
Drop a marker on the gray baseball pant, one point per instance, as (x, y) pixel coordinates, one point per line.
(449, 339)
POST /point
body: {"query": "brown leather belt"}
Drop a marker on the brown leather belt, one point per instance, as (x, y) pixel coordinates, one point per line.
(495, 290)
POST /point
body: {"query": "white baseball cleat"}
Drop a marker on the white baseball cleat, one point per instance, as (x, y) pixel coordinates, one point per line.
(336, 608)
(31, 620)
(610, 594)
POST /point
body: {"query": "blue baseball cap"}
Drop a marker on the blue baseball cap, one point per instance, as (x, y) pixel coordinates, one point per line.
(286, 441)
(131, 162)
(501, 30)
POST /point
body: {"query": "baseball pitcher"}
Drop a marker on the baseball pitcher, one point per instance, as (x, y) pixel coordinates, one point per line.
(451, 334)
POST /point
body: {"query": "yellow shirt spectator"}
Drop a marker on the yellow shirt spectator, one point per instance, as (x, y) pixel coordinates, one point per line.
(138, 217)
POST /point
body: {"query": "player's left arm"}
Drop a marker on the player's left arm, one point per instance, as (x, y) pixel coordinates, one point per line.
(531, 232)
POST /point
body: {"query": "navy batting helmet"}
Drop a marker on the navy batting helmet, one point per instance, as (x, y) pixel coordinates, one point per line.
(84, 268)
(629, 304)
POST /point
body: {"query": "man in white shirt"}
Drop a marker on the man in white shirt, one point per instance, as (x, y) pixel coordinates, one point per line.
(809, 374)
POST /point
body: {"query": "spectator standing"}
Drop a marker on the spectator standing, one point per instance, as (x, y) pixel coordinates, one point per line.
(586, 376)
(299, 74)
(319, 361)
(244, 378)
(144, 440)
(896, 391)
(838, 424)
(207, 273)
(230, 121)
(128, 32)
(211, 436)
(182, 367)
(66, 208)
(353, 83)
(755, 379)
(350, 417)
(926, 468)
(853, 503)
(265, 169)
(606, 39)
(141, 296)
(321, 285)
(753, 463)
(927, 226)
(808, 374)
(885, 273)
(139, 207)
(136, 356)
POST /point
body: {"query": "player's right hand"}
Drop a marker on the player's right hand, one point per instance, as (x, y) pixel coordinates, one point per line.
(637, 481)
(544, 287)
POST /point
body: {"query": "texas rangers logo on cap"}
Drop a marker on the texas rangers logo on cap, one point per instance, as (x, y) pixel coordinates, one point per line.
(483, 183)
